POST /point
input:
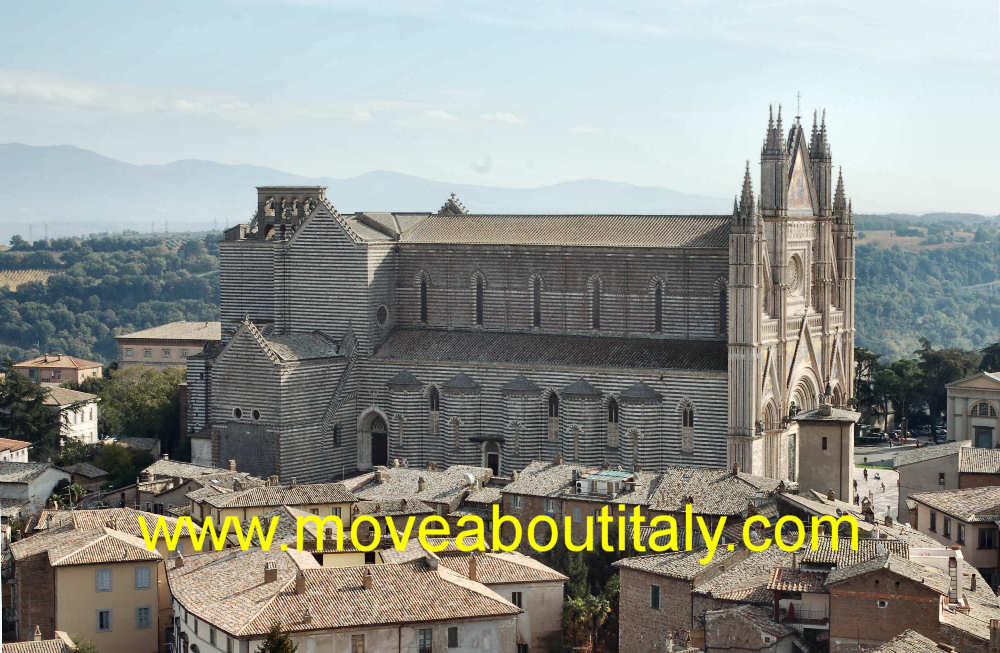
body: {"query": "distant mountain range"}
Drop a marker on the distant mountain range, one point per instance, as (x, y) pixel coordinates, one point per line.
(72, 191)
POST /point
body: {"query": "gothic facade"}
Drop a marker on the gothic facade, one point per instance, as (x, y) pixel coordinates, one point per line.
(350, 340)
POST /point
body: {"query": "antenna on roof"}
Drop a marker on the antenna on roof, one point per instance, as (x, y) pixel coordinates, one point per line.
(798, 105)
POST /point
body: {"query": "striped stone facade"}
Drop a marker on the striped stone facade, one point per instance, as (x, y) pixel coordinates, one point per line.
(456, 338)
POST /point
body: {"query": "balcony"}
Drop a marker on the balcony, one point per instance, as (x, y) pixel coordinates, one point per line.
(795, 614)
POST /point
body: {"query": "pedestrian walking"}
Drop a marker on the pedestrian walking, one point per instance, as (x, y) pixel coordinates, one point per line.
(865, 473)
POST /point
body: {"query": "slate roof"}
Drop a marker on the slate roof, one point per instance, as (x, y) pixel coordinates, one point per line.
(7, 444)
(520, 384)
(59, 396)
(978, 460)
(404, 379)
(460, 381)
(282, 495)
(580, 388)
(930, 577)
(785, 579)
(980, 504)
(435, 345)
(711, 231)
(226, 589)
(13, 472)
(908, 641)
(301, 346)
(59, 361)
(503, 568)
(640, 392)
(195, 331)
(929, 452)
(69, 546)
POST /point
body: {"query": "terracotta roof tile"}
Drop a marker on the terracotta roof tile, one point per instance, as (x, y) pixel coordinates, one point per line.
(177, 331)
(977, 460)
(503, 568)
(59, 361)
(7, 444)
(282, 495)
(980, 504)
(785, 579)
(908, 641)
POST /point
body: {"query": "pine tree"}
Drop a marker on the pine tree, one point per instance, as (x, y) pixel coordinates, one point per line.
(277, 642)
(24, 414)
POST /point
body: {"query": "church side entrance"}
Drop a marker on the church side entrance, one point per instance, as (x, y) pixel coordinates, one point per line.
(380, 441)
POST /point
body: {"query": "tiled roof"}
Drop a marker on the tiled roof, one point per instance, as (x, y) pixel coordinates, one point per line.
(683, 565)
(460, 381)
(143, 444)
(69, 546)
(548, 479)
(179, 469)
(715, 491)
(574, 230)
(929, 452)
(282, 495)
(61, 361)
(124, 520)
(485, 495)
(844, 556)
(503, 568)
(393, 507)
(827, 414)
(785, 579)
(978, 460)
(226, 589)
(59, 396)
(751, 616)
(448, 486)
(178, 331)
(746, 580)
(552, 349)
(980, 504)
(7, 444)
(85, 469)
(61, 644)
(12, 472)
(930, 577)
(908, 641)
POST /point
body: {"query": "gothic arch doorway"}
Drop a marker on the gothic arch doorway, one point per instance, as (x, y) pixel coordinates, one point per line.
(491, 456)
(376, 431)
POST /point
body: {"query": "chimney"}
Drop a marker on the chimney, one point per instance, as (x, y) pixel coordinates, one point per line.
(736, 469)
(300, 583)
(994, 636)
(307, 617)
(421, 484)
(431, 560)
(953, 579)
(232, 464)
(515, 474)
(366, 579)
(272, 480)
(166, 456)
(972, 586)
(381, 476)
(180, 560)
(406, 463)
(474, 567)
(402, 505)
(888, 519)
(38, 634)
(637, 468)
(395, 462)
(559, 459)
(270, 572)
(605, 465)
(292, 482)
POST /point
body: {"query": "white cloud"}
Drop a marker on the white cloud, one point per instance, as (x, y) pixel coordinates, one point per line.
(439, 114)
(504, 117)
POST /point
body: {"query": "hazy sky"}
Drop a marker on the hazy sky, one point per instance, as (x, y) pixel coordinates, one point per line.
(658, 93)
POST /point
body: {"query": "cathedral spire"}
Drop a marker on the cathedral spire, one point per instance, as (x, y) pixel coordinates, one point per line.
(774, 141)
(743, 211)
(839, 200)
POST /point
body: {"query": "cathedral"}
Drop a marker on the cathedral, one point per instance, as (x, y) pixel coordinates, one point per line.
(352, 340)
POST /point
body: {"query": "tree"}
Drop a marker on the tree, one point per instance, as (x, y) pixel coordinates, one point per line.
(866, 366)
(85, 646)
(940, 367)
(583, 618)
(991, 358)
(277, 641)
(24, 414)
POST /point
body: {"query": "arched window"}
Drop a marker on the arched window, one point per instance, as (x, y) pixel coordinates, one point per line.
(687, 427)
(687, 416)
(423, 299)
(536, 300)
(612, 423)
(723, 297)
(480, 299)
(553, 417)
(983, 409)
(434, 410)
(658, 308)
(595, 305)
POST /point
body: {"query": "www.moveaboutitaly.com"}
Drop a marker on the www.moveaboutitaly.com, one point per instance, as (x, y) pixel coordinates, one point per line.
(610, 530)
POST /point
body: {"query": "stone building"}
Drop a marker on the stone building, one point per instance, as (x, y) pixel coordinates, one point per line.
(79, 413)
(166, 345)
(348, 340)
(59, 368)
(972, 409)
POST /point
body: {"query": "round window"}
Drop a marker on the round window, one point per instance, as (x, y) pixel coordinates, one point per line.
(237, 413)
(382, 315)
(256, 414)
